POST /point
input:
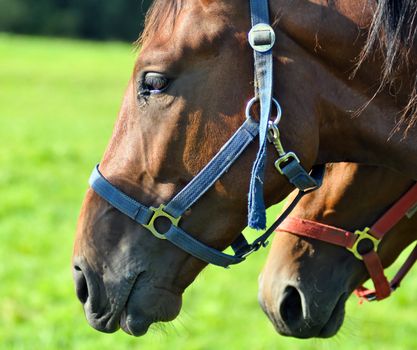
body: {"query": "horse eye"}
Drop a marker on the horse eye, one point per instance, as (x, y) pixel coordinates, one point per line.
(154, 83)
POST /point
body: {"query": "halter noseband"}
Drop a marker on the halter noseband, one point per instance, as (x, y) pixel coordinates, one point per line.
(363, 244)
(261, 38)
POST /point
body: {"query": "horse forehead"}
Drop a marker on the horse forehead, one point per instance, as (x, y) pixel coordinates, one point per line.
(194, 30)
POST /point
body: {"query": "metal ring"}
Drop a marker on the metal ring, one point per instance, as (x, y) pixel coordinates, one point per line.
(279, 111)
(255, 99)
(157, 213)
(361, 236)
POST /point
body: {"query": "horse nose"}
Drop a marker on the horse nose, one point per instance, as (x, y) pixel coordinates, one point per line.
(81, 286)
(291, 307)
(92, 294)
(288, 312)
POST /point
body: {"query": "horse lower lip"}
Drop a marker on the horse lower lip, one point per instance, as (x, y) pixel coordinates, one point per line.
(336, 319)
(133, 327)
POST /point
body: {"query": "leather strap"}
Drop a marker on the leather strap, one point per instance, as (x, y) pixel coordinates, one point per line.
(241, 246)
(198, 186)
(376, 271)
(405, 268)
(184, 241)
(121, 201)
(387, 221)
(315, 230)
(371, 294)
(299, 177)
(347, 239)
(263, 70)
(220, 163)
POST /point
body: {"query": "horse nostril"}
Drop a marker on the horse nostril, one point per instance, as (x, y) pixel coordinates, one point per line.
(81, 287)
(291, 309)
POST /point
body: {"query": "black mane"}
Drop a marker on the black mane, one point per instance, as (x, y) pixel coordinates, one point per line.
(393, 30)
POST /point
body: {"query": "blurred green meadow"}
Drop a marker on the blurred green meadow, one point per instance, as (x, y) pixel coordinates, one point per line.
(58, 102)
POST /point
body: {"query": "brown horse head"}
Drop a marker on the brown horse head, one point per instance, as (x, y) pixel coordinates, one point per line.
(305, 282)
(184, 100)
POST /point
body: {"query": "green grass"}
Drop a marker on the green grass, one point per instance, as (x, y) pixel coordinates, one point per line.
(58, 102)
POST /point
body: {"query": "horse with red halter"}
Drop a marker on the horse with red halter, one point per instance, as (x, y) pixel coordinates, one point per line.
(337, 237)
(182, 151)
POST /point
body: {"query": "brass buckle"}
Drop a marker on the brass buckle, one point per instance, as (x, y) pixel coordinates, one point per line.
(362, 235)
(157, 213)
(286, 158)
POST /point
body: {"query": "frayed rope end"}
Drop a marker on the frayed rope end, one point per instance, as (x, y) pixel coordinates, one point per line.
(257, 218)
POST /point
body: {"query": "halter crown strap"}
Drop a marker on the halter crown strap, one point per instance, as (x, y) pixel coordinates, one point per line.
(262, 38)
(263, 91)
(395, 213)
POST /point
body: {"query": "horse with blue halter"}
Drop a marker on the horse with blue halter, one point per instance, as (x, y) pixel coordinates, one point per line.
(336, 238)
(201, 114)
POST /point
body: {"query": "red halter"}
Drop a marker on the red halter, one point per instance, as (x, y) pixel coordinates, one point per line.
(364, 244)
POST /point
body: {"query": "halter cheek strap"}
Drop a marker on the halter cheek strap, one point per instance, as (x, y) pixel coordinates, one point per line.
(364, 244)
(262, 38)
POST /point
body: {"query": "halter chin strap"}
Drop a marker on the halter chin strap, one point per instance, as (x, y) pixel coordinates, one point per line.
(147, 217)
(364, 244)
(261, 38)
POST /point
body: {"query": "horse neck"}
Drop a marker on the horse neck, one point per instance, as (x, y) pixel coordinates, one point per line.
(347, 134)
(355, 123)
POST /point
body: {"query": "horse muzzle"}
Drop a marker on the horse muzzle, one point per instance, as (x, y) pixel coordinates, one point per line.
(294, 310)
(132, 303)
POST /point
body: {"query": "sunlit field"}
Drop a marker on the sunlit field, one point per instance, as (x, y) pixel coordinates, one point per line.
(58, 103)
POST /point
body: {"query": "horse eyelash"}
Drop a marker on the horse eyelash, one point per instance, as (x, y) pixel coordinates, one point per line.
(144, 92)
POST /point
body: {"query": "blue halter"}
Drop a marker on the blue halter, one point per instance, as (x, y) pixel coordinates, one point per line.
(261, 38)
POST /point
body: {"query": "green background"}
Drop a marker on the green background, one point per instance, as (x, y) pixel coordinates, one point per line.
(93, 19)
(58, 102)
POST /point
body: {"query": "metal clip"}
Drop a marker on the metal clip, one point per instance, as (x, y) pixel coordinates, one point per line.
(411, 211)
(371, 297)
(254, 247)
(274, 138)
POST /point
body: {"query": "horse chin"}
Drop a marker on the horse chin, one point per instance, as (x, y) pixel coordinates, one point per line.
(134, 326)
(148, 305)
(130, 306)
(335, 321)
